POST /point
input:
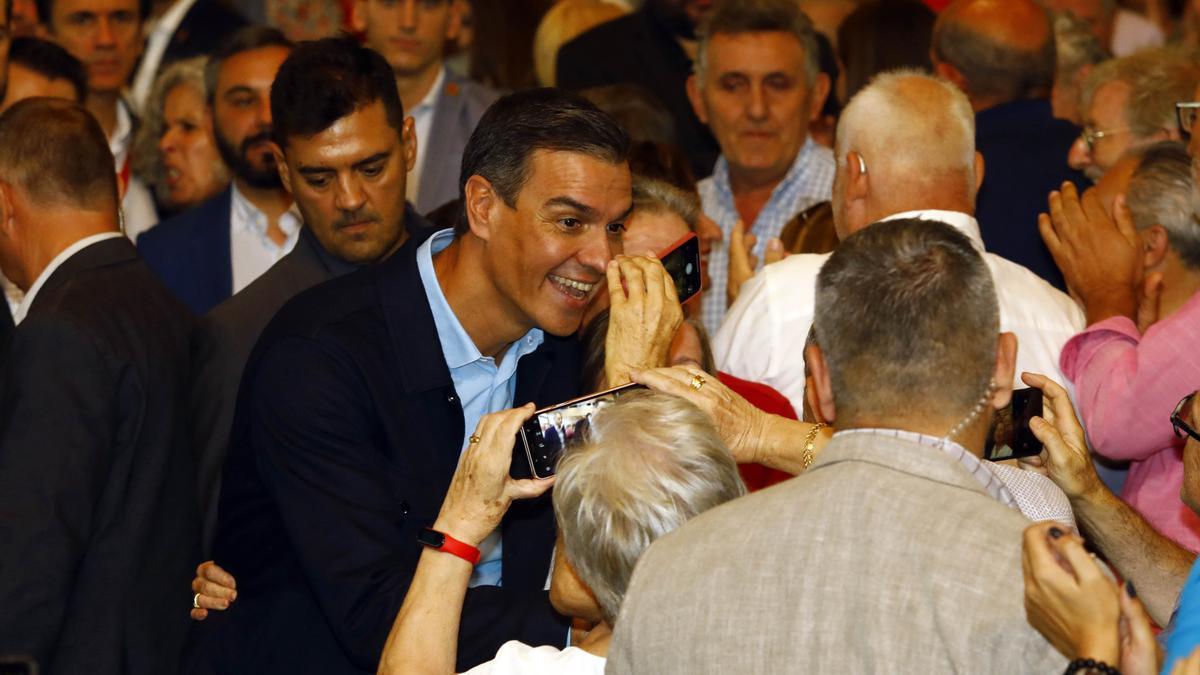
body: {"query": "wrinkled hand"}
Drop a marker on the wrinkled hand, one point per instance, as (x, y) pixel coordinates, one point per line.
(1068, 599)
(1064, 458)
(481, 490)
(1100, 259)
(217, 589)
(737, 421)
(644, 316)
(743, 262)
(1140, 653)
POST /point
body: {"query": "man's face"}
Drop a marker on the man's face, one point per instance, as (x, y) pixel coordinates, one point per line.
(24, 83)
(547, 255)
(1106, 115)
(757, 102)
(348, 182)
(242, 114)
(410, 34)
(1091, 12)
(1191, 459)
(105, 35)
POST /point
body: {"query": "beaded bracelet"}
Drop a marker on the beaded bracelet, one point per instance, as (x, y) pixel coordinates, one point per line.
(1090, 666)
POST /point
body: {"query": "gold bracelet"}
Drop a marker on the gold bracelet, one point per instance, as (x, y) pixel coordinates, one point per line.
(810, 443)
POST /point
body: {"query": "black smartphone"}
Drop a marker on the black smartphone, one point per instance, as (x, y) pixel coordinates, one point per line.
(552, 429)
(1010, 436)
(682, 260)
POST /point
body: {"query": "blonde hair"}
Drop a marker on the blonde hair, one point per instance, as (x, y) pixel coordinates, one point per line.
(649, 463)
(565, 21)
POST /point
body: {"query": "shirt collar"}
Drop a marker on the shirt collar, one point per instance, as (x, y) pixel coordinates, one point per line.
(122, 133)
(247, 216)
(960, 221)
(976, 467)
(794, 174)
(62, 257)
(457, 346)
(432, 95)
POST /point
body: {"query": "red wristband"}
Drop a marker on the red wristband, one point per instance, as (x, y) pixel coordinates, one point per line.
(444, 542)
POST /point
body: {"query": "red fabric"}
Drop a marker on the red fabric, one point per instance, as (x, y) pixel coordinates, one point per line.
(757, 476)
(937, 5)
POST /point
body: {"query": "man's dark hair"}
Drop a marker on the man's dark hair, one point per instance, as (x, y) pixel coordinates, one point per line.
(50, 61)
(521, 123)
(908, 322)
(45, 8)
(323, 81)
(244, 40)
(33, 135)
(995, 70)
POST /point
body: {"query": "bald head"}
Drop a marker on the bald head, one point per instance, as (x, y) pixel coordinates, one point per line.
(33, 136)
(915, 134)
(995, 50)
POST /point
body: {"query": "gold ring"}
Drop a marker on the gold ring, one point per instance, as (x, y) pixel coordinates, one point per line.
(474, 439)
(196, 601)
(697, 381)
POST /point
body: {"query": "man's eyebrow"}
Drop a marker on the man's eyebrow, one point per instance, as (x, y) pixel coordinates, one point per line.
(239, 89)
(579, 206)
(373, 158)
(314, 170)
(625, 215)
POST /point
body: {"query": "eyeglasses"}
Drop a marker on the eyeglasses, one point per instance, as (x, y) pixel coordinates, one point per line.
(1090, 135)
(1185, 113)
(1177, 421)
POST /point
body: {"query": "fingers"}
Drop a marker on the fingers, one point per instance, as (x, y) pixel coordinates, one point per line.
(211, 571)
(1050, 235)
(212, 596)
(775, 251)
(528, 488)
(198, 614)
(1037, 558)
(1137, 621)
(616, 291)
(676, 380)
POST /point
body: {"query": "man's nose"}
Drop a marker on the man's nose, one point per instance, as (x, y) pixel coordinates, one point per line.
(1079, 157)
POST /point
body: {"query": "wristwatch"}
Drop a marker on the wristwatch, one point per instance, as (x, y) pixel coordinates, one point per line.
(444, 542)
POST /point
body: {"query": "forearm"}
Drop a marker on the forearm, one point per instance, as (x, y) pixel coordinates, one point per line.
(424, 638)
(780, 444)
(1157, 566)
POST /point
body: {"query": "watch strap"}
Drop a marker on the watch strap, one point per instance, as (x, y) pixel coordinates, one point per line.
(443, 542)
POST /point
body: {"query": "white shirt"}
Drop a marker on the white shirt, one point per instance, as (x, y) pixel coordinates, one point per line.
(762, 337)
(156, 46)
(518, 658)
(27, 301)
(422, 115)
(252, 252)
(1133, 32)
(137, 206)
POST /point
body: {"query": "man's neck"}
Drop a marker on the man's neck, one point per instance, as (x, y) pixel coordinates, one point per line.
(598, 639)
(751, 192)
(273, 202)
(971, 438)
(103, 106)
(492, 322)
(1179, 286)
(39, 254)
(414, 87)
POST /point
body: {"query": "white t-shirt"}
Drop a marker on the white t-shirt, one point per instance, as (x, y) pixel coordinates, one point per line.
(515, 658)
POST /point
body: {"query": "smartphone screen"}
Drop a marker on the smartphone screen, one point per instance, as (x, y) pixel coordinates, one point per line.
(1010, 436)
(553, 429)
(682, 261)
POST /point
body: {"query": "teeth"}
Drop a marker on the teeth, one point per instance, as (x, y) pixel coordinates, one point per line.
(571, 283)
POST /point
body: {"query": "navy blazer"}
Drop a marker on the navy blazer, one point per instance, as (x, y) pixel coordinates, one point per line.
(347, 432)
(1024, 152)
(191, 253)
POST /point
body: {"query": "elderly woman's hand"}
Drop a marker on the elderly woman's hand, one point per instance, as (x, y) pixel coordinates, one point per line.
(481, 490)
(1068, 599)
(737, 421)
(644, 316)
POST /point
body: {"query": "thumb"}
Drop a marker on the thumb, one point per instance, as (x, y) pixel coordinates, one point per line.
(528, 488)
(1052, 441)
(736, 243)
(775, 251)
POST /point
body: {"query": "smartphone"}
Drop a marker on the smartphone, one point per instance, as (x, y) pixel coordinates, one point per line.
(551, 430)
(1010, 436)
(682, 260)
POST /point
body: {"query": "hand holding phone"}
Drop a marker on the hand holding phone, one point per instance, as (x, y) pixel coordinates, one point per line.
(682, 262)
(1010, 436)
(551, 430)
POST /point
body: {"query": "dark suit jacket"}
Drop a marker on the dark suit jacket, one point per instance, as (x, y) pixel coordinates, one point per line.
(98, 518)
(347, 432)
(191, 253)
(1025, 157)
(223, 342)
(205, 26)
(637, 49)
(461, 104)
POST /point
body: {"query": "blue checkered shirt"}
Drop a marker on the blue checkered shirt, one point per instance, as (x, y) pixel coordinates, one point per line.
(810, 180)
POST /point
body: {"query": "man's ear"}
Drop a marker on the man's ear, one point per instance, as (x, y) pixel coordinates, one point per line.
(480, 203)
(1004, 370)
(979, 170)
(858, 179)
(281, 167)
(948, 72)
(358, 16)
(408, 135)
(7, 210)
(819, 372)
(820, 92)
(1155, 245)
(697, 98)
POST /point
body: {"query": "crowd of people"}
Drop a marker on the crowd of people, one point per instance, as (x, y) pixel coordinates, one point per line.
(286, 280)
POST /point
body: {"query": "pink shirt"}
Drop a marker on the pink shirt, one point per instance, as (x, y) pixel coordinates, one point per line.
(1126, 386)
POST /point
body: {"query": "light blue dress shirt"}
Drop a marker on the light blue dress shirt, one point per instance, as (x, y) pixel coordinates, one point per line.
(482, 385)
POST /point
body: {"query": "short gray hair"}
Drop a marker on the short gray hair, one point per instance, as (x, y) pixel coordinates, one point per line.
(1163, 192)
(657, 196)
(735, 17)
(649, 463)
(1077, 46)
(907, 319)
(1157, 78)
